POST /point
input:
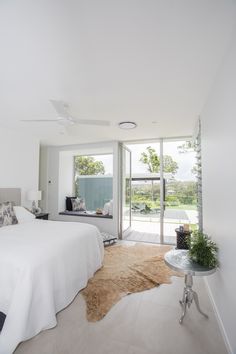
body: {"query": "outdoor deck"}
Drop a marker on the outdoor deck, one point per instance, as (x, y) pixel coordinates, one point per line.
(146, 228)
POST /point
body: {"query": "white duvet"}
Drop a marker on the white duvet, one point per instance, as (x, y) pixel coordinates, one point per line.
(43, 265)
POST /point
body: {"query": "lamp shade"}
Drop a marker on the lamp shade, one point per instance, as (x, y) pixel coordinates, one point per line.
(34, 195)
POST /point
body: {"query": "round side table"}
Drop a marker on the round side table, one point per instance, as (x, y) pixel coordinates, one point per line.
(178, 260)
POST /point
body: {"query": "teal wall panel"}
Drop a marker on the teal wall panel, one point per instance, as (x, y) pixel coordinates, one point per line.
(95, 191)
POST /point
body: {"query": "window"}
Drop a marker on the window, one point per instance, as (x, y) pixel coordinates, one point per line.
(93, 179)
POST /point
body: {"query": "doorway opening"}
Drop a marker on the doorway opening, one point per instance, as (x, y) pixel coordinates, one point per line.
(163, 190)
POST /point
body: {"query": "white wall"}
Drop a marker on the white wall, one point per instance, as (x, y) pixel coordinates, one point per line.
(66, 176)
(43, 177)
(54, 178)
(219, 190)
(19, 167)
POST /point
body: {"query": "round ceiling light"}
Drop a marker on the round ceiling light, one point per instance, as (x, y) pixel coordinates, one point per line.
(127, 125)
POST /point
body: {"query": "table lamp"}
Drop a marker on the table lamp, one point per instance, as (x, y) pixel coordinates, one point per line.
(34, 196)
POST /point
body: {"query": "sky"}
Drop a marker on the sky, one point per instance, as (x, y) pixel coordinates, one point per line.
(185, 161)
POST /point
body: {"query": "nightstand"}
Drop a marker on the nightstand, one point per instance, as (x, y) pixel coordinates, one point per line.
(43, 216)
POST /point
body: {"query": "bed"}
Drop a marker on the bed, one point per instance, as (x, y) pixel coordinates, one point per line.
(43, 265)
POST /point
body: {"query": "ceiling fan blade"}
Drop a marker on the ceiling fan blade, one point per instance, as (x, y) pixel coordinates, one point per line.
(61, 108)
(69, 130)
(92, 122)
(39, 120)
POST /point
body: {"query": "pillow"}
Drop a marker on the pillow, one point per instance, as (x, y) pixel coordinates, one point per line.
(78, 204)
(108, 208)
(7, 214)
(23, 215)
(69, 203)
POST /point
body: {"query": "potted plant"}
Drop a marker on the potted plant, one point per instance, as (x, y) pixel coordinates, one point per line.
(202, 249)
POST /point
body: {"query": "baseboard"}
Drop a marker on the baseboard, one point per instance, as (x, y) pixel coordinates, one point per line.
(219, 320)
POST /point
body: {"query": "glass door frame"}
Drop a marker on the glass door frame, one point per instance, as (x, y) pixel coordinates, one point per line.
(122, 171)
(162, 193)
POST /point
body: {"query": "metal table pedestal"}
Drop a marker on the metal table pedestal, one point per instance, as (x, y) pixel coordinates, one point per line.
(178, 260)
(188, 296)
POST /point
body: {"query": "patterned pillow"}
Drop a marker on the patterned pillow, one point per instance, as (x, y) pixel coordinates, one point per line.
(69, 203)
(78, 204)
(7, 214)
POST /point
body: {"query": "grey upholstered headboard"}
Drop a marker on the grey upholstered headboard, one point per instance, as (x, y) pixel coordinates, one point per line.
(10, 195)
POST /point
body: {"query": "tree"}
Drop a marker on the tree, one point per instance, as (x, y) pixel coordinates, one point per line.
(187, 146)
(170, 165)
(87, 165)
(152, 160)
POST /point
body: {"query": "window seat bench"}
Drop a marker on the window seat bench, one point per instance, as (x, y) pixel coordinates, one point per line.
(86, 214)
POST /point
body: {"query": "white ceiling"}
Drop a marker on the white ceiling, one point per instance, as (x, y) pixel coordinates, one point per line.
(138, 60)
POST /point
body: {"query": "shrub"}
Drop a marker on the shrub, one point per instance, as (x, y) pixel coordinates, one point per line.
(172, 200)
(202, 249)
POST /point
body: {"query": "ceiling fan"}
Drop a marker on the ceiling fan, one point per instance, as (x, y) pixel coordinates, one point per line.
(64, 117)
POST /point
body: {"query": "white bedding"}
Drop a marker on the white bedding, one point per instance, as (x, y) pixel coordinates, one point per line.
(43, 265)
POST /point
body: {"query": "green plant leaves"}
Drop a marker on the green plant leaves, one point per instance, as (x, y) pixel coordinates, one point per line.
(203, 250)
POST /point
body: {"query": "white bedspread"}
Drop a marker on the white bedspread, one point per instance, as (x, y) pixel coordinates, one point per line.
(43, 265)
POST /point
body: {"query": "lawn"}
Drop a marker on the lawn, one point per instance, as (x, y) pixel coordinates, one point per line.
(182, 207)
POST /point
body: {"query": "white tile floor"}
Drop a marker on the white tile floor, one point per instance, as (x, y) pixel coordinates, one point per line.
(143, 323)
(147, 237)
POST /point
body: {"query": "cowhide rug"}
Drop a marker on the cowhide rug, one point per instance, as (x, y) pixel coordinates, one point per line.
(126, 269)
